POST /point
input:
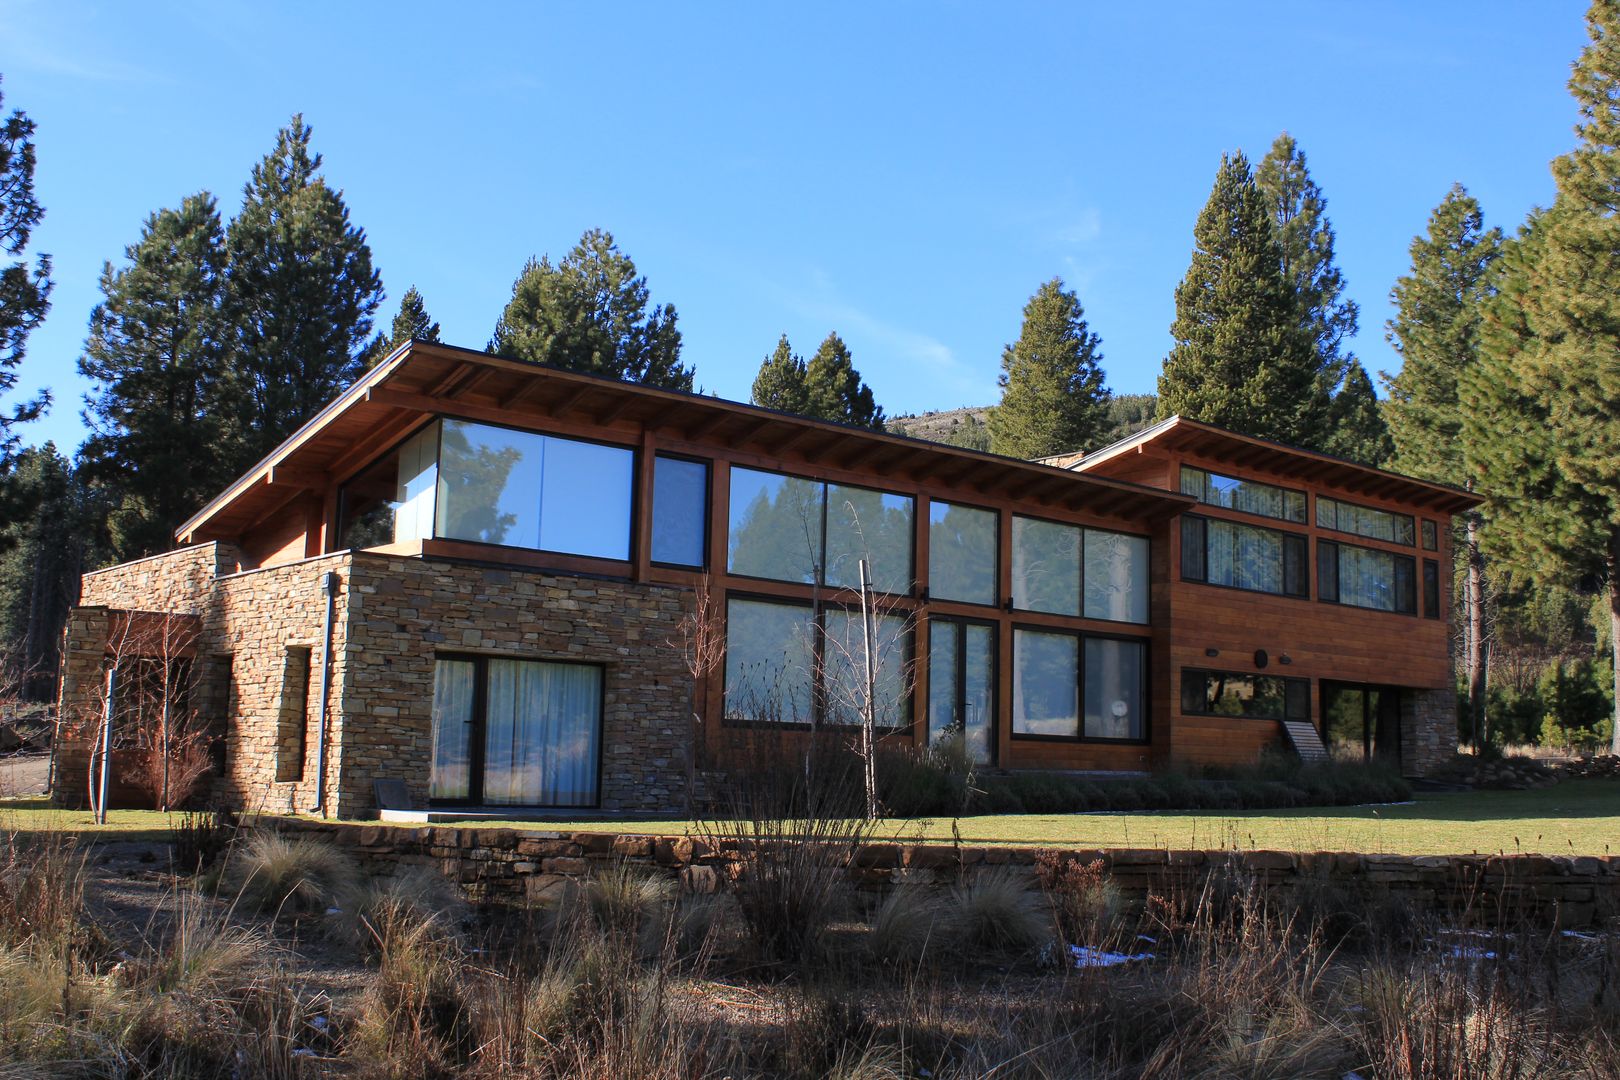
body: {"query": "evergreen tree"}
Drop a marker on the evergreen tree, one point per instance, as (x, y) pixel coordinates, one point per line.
(302, 293)
(48, 549)
(24, 292)
(589, 313)
(834, 390)
(1438, 307)
(1356, 428)
(1573, 312)
(1241, 358)
(1436, 330)
(780, 383)
(1052, 394)
(155, 355)
(411, 323)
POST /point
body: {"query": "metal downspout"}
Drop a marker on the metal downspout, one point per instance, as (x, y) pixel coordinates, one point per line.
(329, 588)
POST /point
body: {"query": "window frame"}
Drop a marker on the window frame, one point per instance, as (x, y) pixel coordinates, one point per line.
(1301, 492)
(928, 595)
(1146, 689)
(652, 512)
(1080, 558)
(1323, 545)
(477, 739)
(1429, 534)
(1285, 679)
(1288, 535)
(960, 689)
(1429, 585)
(393, 450)
(1316, 519)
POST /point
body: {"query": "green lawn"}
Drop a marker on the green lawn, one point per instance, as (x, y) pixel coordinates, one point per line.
(1576, 817)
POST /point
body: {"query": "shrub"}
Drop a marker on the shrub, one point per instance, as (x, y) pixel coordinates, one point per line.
(909, 923)
(201, 838)
(277, 874)
(374, 912)
(1084, 901)
(994, 911)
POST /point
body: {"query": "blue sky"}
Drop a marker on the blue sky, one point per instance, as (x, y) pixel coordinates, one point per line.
(904, 173)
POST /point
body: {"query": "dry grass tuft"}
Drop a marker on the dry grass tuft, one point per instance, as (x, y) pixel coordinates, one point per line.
(993, 911)
(378, 910)
(281, 875)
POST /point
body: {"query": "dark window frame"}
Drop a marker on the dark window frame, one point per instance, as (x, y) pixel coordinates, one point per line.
(393, 450)
(708, 512)
(1431, 588)
(1331, 547)
(1300, 542)
(1199, 672)
(1301, 492)
(994, 627)
(1316, 519)
(1080, 556)
(477, 738)
(1082, 636)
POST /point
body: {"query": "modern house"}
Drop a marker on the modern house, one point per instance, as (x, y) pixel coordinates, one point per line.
(474, 576)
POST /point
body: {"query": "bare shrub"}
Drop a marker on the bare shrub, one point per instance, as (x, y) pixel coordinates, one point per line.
(630, 902)
(1084, 901)
(375, 911)
(278, 874)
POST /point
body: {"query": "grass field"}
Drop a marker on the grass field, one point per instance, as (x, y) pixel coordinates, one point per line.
(1580, 817)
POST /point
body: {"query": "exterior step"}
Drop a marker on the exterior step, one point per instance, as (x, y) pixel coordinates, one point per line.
(1303, 737)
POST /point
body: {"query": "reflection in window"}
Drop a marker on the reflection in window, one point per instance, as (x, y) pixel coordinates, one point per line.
(961, 686)
(1259, 697)
(449, 774)
(1242, 556)
(1045, 566)
(1363, 521)
(1114, 700)
(1431, 536)
(770, 650)
(1116, 576)
(873, 525)
(1362, 577)
(1249, 496)
(844, 645)
(775, 526)
(392, 501)
(1046, 682)
(489, 484)
(585, 499)
(962, 556)
(787, 528)
(680, 509)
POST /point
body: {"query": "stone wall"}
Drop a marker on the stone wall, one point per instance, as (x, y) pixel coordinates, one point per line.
(1428, 730)
(518, 866)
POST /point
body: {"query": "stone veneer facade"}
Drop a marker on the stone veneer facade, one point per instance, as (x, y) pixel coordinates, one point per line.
(391, 616)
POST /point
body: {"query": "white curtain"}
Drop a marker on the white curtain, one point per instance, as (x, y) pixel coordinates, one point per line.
(542, 724)
(452, 729)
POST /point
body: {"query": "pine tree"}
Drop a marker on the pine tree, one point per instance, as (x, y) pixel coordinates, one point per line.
(24, 292)
(411, 323)
(302, 293)
(1436, 330)
(834, 389)
(1356, 428)
(155, 354)
(1241, 358)
(1573, 311)
(589, 313)
(780, 383)
(1052, 393)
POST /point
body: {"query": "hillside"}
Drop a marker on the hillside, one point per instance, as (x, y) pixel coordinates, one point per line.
(965, 427)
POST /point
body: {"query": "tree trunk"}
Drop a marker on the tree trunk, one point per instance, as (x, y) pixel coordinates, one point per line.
(1476, 660)
(1614, 631)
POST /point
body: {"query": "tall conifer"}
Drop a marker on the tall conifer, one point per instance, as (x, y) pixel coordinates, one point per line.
(1241, 358)
(24, 291)
(1052, 394)
(780, 383)
(411, 323)
(835, 391)
(155, 356)
(302, 294)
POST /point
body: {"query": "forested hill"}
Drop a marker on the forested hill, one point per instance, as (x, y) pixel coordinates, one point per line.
(966, 427)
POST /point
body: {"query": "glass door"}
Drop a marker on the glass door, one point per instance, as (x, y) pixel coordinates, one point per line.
(961, 685)
(1362, 722)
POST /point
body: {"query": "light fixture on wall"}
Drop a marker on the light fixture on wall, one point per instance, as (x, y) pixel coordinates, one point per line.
(1212, 652)
(1261, 659)
(1285, 659)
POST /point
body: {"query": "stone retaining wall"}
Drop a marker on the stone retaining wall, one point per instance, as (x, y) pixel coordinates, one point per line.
(519, 866)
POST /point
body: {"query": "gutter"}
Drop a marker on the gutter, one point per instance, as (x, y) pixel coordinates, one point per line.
(329, 589)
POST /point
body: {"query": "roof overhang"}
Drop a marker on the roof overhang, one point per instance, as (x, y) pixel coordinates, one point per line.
(420, 379)
(1178, 434)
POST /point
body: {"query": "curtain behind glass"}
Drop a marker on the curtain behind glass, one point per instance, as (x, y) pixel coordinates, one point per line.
(1113, 682)
(1045, 566)
(541, 733)
(1116, 576)
(449, 771)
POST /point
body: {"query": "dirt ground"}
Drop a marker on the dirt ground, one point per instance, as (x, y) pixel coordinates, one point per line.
(24, 774)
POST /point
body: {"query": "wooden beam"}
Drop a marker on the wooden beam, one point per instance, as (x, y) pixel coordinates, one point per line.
(617, 409)
(375, 443)
(747, 434)
(524, 390)
(474, 379)
(456, 373)
(707, 427)
(563, 404)
(794, 437)
(291, 476)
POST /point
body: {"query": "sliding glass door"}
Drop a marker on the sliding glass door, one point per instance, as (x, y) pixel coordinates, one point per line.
(1362, 722)
(961, 685)
(516, 732)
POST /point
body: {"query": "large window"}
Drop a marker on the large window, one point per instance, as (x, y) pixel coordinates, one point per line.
(962, 685)
(1243, 556)
(1249, 496)
(1362, 577)
(1363, 521)
(1066, 570)
(844, 672)
(520, 489)
(1431, 589)
(1259, 697)
(787, 528)
(680, 511)
(1068, 686)
(516, 732)
(391, 501)
(770, 661)
(962, 550)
